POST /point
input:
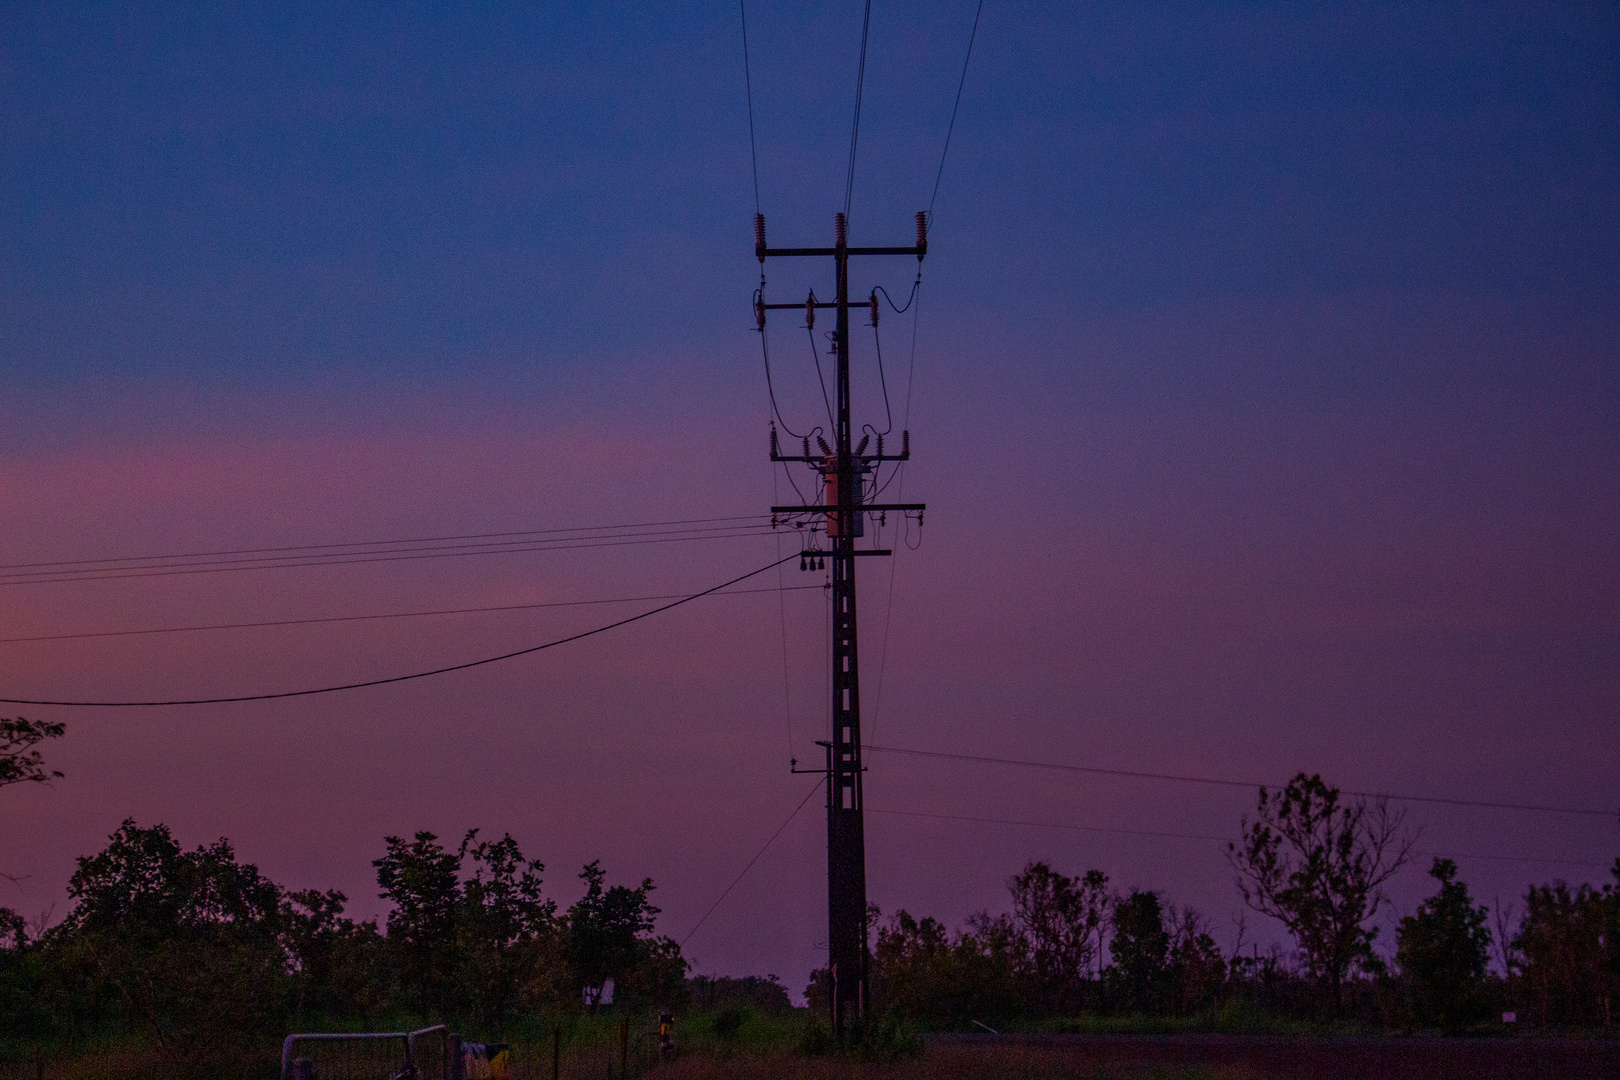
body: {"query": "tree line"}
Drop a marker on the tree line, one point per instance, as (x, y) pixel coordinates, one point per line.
(1309, 859)
(195, 950)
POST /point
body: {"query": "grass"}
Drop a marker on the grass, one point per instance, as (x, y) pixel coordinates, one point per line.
(743, 1044)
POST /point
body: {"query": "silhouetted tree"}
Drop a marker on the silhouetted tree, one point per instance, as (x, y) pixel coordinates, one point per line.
(1317, 865)
(608, 935)
(1443, 950)
(423, 882)
(1140, 947)
(338, 965)
(19, 761)
(924, 975)
(190, 941)
(1569, 944)
(504, 927)
(1059, 917)
(1197, 968)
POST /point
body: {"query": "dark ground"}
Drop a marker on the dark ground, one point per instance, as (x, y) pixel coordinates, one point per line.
(1321, 1058)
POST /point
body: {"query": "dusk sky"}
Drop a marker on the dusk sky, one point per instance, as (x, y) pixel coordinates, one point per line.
(1266, 404)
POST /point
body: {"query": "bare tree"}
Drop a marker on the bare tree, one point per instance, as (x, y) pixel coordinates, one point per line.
(19, 762)
(1317, 865)
(1502, 916)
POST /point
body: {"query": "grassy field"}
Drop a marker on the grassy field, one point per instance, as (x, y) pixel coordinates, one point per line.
(742, 1045)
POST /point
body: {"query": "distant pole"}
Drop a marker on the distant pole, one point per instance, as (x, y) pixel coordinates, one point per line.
(844, 468)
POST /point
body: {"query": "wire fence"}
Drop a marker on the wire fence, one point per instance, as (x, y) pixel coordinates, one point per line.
(570, 1048)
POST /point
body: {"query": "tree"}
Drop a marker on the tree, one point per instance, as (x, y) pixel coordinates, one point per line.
(337, 964)
(1059, 917)
(1094, 902)
(1197, 968)
(19, 762)
(1569, 948)
(609, 936)
(504, 926)
(1317, 865)
(1141, 952)
(1443, 949)
(189, 940)
(423, 881)
(921, 974)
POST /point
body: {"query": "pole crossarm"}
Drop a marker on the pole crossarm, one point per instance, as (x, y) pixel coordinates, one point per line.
(917, 251)
(811, 459)
(861, 507)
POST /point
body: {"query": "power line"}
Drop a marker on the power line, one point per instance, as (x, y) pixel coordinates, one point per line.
(381, 543)
(1202, 836)
(751, 862)
(748, 81)
(1130, 774)
(401, 554)
(816, 357)
(855, 127)
(404, 678)
(385, 615)
(952, 126)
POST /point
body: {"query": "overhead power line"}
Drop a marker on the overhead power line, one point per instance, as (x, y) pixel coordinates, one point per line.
(748, 82)
(386, 615)
(380, 543)
(1203, 836)
(390, 551)
(762, 848)
(1131, 774)
(414, 675)
(855, 127)
(952, 126)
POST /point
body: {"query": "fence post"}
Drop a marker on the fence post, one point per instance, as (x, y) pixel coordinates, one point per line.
(455, 1068)
(556, 1052)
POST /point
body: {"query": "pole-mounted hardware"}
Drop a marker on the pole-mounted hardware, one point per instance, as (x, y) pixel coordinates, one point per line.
(843, 470)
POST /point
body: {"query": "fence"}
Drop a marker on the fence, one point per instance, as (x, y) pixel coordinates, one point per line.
(380, 1055)
(564, 1048)
(588, 1051)
(623, 1051)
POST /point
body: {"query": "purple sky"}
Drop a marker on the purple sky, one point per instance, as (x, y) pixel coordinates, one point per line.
(1265, 404)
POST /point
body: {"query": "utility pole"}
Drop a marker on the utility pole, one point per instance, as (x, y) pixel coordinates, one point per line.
(843, 468)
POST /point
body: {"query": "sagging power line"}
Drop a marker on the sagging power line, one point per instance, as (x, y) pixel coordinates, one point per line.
(267, 623)
(1130, 774)
(275, 696)
(1160, 835)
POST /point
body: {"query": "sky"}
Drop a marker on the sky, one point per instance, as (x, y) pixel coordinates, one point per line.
(1263, 388)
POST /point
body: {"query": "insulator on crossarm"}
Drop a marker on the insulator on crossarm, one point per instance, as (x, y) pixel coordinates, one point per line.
(842, 230)
(776, 449)
(759, 236)
(759, 310)
(880, 444)
(810, 310)
(861, 447)
(922, 234)
(874, 308)
(825, 449)
(807, 448)
(804, 563)
(905, 444)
